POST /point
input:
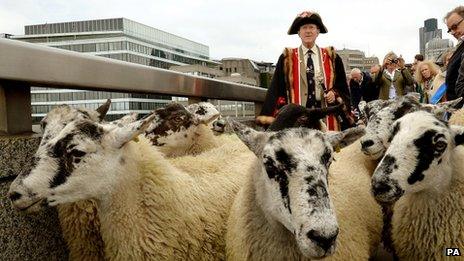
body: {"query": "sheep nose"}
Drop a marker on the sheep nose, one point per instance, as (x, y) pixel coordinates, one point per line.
(366, 143)
(14, 196)
(323, 241)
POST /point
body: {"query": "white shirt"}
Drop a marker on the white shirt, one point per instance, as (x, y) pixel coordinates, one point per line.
(392, 91)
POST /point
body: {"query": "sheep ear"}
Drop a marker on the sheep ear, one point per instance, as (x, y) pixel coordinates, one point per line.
(254, 140)
(458, 133)
(344, 138)
(103, 109)
(205, 112)
(441, 108)
(126, 119)
(413, 96)
(128, 132)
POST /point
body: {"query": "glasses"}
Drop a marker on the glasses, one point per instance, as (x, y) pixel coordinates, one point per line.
(455, 26)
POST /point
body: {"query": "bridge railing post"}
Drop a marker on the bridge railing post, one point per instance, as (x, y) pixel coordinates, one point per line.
(15, 108)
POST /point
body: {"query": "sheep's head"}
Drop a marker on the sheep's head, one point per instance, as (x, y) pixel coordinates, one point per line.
(380, 116)
(292, 186)
(81, 162)
(418, 157)
(294, 115)
(58, 117)
(176, 125)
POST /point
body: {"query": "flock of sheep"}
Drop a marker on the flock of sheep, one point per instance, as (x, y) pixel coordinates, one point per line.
(167, 187)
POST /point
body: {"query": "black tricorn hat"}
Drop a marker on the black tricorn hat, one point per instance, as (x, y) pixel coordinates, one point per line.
(307, 18)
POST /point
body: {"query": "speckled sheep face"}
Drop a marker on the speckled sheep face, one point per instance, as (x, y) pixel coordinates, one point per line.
(176, 126)
(292, 187)
(60, 116)
(380, 117)
(81, 162)
(418, 158)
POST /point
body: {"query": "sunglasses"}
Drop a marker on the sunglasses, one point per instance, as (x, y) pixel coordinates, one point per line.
(455, 26)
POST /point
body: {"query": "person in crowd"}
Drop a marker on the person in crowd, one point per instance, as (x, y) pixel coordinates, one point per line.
(392, 78)
(308, 75)
(417, 58)
(428, 78)
(454, 20)
(361, 88)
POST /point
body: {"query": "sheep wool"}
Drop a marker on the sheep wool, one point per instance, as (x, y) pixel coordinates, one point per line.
(251, 236)
(425, 224)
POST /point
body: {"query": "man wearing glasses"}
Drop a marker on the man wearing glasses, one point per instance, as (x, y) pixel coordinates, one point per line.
(309, 75)
(455, 73)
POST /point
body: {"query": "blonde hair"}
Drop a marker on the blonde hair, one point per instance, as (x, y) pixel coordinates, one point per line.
(434, 70)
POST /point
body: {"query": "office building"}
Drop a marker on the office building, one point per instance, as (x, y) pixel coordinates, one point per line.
(428, 32)
(115, 38)
(356, 59)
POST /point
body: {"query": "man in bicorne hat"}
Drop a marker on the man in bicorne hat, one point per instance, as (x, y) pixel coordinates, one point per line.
(308, 75)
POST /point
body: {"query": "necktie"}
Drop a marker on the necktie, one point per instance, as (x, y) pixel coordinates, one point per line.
(311, 101)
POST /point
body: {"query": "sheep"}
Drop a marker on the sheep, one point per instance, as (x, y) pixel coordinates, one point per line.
(79, 221)
(284, 211)
(76, 239)
(457, 118)
(178, 131)
(422, 174)
(381, 114)
(148, 208)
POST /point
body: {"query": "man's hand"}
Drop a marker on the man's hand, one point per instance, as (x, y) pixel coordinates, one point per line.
(329, 97)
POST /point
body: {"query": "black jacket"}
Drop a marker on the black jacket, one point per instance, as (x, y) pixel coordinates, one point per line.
(452, 73)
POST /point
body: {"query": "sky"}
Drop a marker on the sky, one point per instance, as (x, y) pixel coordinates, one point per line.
(254, 29)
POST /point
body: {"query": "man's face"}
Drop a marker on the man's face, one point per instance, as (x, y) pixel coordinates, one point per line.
(308, 34)
(356, 77)
(455, 24)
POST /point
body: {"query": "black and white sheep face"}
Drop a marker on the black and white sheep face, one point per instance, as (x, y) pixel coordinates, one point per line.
(83, 161)
(292, 187)
(380, 117)
(176, 126)
(60, 116)
(418, 158)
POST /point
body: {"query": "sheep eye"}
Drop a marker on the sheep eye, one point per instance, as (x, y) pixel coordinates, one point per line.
(43, 124)
(77, 153)
(440, 145)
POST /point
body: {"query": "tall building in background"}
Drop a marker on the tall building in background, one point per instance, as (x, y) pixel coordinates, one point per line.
(356, 59)
(427, 33)
(115, 38)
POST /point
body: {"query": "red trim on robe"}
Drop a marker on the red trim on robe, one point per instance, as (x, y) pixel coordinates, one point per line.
(331, 120)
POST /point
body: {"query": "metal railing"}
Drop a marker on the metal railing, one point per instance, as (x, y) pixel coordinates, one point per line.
(23, 65)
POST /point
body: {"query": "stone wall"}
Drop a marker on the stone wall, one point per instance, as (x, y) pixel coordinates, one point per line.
(25, 237)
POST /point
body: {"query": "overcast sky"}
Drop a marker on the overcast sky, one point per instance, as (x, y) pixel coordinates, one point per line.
(250, 29)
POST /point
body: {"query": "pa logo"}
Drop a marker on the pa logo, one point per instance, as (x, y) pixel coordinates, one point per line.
(452, 251)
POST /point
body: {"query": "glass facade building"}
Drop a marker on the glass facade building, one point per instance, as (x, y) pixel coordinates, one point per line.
(115, 38)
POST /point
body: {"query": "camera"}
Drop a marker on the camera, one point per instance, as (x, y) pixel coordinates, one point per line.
(394, 60)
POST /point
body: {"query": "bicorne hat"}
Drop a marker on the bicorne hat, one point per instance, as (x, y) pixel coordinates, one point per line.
(307, 18)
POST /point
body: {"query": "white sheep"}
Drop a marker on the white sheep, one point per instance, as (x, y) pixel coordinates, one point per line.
(380, 116)
(284, 210)
(179, 130)
(422, 172)
(148, 208)
(76, 239)
(189, 134)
